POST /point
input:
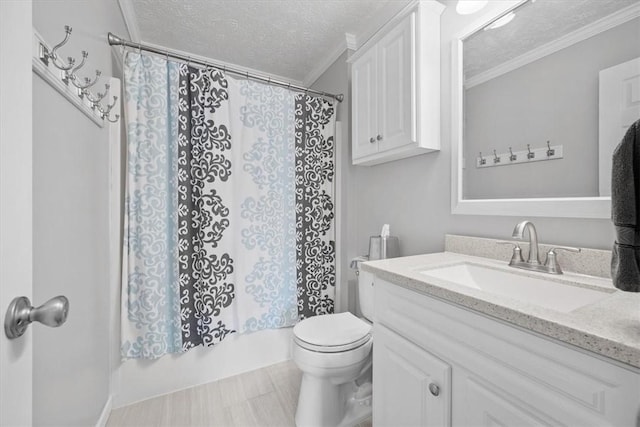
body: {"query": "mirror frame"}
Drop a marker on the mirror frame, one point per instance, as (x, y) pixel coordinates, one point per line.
(562, 207)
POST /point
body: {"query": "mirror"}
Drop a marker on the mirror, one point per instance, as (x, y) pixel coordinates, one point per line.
(535, 88)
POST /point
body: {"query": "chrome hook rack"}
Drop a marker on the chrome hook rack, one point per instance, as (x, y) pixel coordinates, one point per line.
(528, 155)
(63, 76)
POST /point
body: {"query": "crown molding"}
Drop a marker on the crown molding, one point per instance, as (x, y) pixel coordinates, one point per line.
(596, 27)
(351, 40)
(130, 20)
(324, 64)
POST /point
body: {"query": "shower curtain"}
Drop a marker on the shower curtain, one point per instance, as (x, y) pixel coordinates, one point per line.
(229, 212)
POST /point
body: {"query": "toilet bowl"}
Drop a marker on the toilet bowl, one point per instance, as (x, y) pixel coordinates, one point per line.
(333, 351)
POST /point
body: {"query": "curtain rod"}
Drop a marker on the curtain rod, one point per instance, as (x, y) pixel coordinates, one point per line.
(119, 41)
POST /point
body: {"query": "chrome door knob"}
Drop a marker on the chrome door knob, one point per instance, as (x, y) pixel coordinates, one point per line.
(21, 314)
(372, 140)
(434, 389)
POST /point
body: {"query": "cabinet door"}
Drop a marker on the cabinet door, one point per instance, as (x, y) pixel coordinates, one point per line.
(396, 78)
(364, 108)
(402, 376)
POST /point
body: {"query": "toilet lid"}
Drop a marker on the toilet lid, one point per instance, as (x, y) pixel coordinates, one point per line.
(332, 332)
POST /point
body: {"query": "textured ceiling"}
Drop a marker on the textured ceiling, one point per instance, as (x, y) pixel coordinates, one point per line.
(535, 24)
(278, 37)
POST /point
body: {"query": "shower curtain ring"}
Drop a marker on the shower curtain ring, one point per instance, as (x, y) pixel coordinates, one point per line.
(247, 73)
(139, 48)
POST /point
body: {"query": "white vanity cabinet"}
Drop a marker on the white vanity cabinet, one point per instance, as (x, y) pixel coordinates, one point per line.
(395, 80)
(487, 372)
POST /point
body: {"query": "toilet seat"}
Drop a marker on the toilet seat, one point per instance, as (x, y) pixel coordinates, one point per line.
(332, 333)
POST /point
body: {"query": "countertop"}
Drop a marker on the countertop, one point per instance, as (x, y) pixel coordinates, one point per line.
(609, 327)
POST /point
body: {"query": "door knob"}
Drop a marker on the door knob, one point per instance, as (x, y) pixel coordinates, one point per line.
(21, 314)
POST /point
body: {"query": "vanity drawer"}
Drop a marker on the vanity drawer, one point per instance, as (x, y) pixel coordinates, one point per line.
(569, 385)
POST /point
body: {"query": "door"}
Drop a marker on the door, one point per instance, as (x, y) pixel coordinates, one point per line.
(15, 205)
(619, 107)
(397, 84)
(364, 109)
(411, 386)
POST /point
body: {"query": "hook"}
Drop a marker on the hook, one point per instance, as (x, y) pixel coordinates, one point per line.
(70, 75)
(550, 151)
(112, 121)
(512, 157)
(496, 159)
(87, 81)
(85, 55)
(483, 161)
(105, 111)
(530, 155)
(54, 52)
(100, 97)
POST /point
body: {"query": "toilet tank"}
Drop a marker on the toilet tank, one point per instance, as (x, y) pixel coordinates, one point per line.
(365, 294)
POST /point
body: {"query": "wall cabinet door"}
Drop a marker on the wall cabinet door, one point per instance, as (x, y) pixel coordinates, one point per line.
(365, 108)
(395, 81)
(411, 387)
(395, 77)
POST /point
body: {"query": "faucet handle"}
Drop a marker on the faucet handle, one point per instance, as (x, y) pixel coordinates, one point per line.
(552, 261)
(517, 251)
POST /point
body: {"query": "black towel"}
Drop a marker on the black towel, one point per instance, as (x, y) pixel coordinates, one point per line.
(625, 211)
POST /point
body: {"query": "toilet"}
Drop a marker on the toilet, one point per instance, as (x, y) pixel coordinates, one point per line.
(333, 351)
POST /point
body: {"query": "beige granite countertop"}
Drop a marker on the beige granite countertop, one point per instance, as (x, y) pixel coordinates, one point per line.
(609, 327)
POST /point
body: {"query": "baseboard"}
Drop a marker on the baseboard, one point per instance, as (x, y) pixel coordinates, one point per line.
(106, 411)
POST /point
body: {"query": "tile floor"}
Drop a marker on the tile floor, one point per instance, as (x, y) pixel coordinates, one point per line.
(265, 397)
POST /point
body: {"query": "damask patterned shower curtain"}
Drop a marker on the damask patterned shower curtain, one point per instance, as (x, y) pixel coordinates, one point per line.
(229, 221)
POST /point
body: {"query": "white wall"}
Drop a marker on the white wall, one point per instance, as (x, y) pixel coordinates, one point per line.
(413, 195)
(70, 223)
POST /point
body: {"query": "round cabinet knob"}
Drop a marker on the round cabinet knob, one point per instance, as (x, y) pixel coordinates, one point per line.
(379, 137)
(372, 140)
(434, 389)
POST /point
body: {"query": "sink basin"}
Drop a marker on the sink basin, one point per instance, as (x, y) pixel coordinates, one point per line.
(556, 295)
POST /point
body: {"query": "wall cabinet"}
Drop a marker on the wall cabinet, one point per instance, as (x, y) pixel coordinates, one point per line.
(488, 373)
(395, 81)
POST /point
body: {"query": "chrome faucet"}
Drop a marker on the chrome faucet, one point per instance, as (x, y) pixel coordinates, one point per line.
(518, 233)
(533, 262)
